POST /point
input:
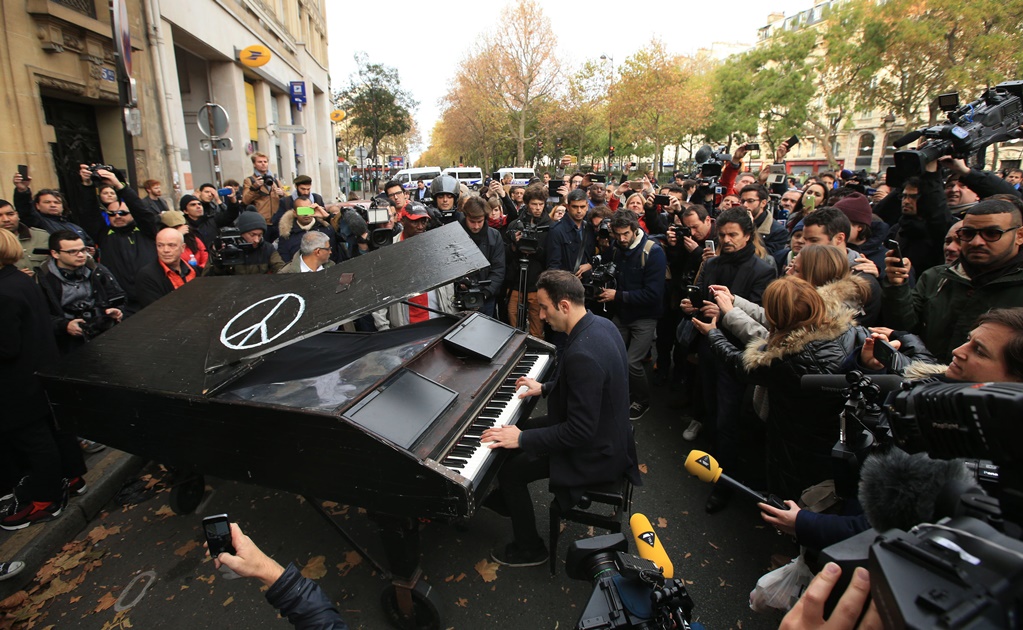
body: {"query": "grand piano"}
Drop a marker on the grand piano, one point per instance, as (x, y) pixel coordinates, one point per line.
(245, 378)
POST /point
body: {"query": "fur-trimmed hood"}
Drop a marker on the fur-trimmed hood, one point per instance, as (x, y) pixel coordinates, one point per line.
(923, 369)
(840, 319)
(841, 294)
(287, 222)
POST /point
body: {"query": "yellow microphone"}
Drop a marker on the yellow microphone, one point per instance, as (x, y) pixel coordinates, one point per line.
(705, 468)
(649, 545)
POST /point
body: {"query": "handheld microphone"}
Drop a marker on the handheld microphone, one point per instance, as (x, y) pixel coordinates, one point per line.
(706, 469)
(649, 545)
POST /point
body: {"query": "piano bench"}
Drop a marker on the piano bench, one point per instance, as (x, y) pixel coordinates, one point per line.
(617, 494)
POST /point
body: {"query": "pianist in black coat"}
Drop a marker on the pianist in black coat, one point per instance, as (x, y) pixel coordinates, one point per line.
(586, 439)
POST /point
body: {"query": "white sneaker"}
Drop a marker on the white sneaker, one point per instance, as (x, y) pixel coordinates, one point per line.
(692, 430)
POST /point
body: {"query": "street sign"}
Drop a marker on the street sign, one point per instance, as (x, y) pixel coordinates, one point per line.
(220, 144)
(213, 120)
(297, 90)
(361, 153)
(290, 129)
(254, 56)
(338, 115)
(133, 121)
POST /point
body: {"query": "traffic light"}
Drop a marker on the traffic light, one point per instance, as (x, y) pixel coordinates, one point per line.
(611, 151)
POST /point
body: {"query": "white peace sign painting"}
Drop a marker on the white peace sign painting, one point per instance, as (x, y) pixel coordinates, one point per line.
(261, 332)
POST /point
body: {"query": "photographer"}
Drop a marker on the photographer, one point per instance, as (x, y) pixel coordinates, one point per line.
(206, 226)
(128, 242)
(261, 189)
(80, 292)
(490, 243)
(305, 216)
(46, 210)
(259, 257)
(296, 597)
(638, 300)
(535, 250)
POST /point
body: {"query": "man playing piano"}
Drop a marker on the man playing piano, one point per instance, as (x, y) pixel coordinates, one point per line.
(586, 439)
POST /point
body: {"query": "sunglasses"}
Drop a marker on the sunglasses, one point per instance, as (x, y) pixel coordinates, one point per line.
(119, 213)
(989, 234)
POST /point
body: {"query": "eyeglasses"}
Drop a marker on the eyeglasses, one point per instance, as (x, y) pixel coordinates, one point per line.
(395, 195)
(989, 234)
(73, 252)
(119, 213)
(911, 195)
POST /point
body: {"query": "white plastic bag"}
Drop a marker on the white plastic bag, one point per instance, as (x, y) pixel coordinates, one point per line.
(781, 588)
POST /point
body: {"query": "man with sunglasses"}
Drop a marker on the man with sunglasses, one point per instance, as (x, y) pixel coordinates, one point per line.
(127, 236)
(947, 299)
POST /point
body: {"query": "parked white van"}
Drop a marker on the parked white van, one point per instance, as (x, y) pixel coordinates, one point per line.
(471, 176)
(520, 175)
(409, 176)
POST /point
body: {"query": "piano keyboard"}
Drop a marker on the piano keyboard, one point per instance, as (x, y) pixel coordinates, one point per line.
(469, 456)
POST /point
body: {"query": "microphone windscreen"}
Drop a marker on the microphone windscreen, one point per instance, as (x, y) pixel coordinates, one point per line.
(649, 546)
(703, 466)
(356, 223)
(912, 136)
(899, 490)
(703, 154)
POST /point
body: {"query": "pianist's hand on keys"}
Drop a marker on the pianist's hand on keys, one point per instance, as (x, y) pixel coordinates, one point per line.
(525, 387)
(501, 437)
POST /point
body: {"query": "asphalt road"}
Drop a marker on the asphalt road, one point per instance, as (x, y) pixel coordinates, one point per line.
(142, 566)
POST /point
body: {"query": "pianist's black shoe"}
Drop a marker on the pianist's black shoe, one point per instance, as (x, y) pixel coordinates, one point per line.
(512, 555)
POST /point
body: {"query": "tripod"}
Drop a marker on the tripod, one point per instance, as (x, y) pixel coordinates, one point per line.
(521, 308)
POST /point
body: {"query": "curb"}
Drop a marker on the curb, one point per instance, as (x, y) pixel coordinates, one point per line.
(36, 544)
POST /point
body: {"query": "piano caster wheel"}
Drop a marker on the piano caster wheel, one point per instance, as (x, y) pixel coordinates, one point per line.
(425, 614)
(187, 494)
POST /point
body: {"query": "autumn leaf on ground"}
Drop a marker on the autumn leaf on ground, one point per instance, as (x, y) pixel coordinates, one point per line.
(462, 602)
(713, 545)
(99, 533)
(487, 570)
(314, 569)
(184, 549)
(165, 511)
(14, 600)
(228, 601)
(74, 600)
(687, 556)
(461, 576)
(105, 602)
(662, 522)
(643, 469)
(352, 560)
(590, 531)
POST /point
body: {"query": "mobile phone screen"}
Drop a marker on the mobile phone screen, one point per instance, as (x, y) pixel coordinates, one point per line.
(218, 534)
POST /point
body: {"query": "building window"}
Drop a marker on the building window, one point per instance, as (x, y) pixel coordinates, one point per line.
(85, 7)
(865, 155)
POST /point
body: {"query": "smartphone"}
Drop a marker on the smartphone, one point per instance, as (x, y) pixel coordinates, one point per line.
(752, 146)
(662, 200)
(793, 141)
(695, 295)
(884, 352)
(636, 185)
(23, 171)
(218, 534)
(598, 178)
(225, 192)
(893, 245)
(711, 246)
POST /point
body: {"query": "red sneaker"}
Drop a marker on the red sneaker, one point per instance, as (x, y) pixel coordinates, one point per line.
(77, 486)
(34, 512)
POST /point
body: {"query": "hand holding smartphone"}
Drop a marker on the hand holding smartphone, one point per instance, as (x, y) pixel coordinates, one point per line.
(218, 534)
(893, 245)
(884, 352)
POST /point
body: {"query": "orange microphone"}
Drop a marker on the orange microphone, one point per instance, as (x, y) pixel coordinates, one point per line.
(649, 545)
(705, 468)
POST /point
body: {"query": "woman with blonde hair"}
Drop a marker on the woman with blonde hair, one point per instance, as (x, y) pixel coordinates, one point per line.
(806, 335)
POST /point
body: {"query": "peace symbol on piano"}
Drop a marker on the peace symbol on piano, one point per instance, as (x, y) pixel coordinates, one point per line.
(263, 322)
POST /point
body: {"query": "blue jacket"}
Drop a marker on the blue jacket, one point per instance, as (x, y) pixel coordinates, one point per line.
(563, 245)
(640, 291)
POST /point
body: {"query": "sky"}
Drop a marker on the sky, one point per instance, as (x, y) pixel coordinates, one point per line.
(426, 41)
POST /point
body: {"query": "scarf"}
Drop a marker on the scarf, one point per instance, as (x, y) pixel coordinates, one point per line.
(498, 223)
(982, 277)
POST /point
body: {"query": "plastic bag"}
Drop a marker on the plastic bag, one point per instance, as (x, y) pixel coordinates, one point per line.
(781, 588)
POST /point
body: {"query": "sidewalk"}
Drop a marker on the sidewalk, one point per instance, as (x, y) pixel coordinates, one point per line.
(34, 545)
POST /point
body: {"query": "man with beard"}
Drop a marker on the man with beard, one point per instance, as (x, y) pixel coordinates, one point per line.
(535, 200)
(948, 299)
(29, 238)
(491, 245)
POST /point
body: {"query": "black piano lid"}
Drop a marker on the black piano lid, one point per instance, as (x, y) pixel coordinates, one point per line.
(214, 329)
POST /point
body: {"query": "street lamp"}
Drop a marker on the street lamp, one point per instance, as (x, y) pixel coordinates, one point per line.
(610, 83)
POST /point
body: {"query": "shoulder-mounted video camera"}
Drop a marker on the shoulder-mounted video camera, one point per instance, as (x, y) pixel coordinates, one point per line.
(229, 248)
(469, 293)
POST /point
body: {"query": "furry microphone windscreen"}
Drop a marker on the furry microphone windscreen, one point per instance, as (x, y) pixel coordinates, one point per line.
(899, 490)
(355, 223)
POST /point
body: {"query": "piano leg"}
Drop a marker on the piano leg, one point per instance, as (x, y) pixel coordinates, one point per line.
(408, 601)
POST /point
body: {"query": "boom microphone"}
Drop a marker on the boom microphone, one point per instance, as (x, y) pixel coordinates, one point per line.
(912, 136)
(706, 469)
(649, 545)
(899, 490)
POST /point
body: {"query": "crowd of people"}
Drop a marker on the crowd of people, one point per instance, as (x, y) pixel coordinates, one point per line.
(722, 292)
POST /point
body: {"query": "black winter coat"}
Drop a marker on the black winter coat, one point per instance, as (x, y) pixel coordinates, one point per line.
(303, 602)
(801, 426)
(26, 345)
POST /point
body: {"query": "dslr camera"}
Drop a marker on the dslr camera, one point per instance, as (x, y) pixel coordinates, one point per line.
(95, 320)
(95, 168)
